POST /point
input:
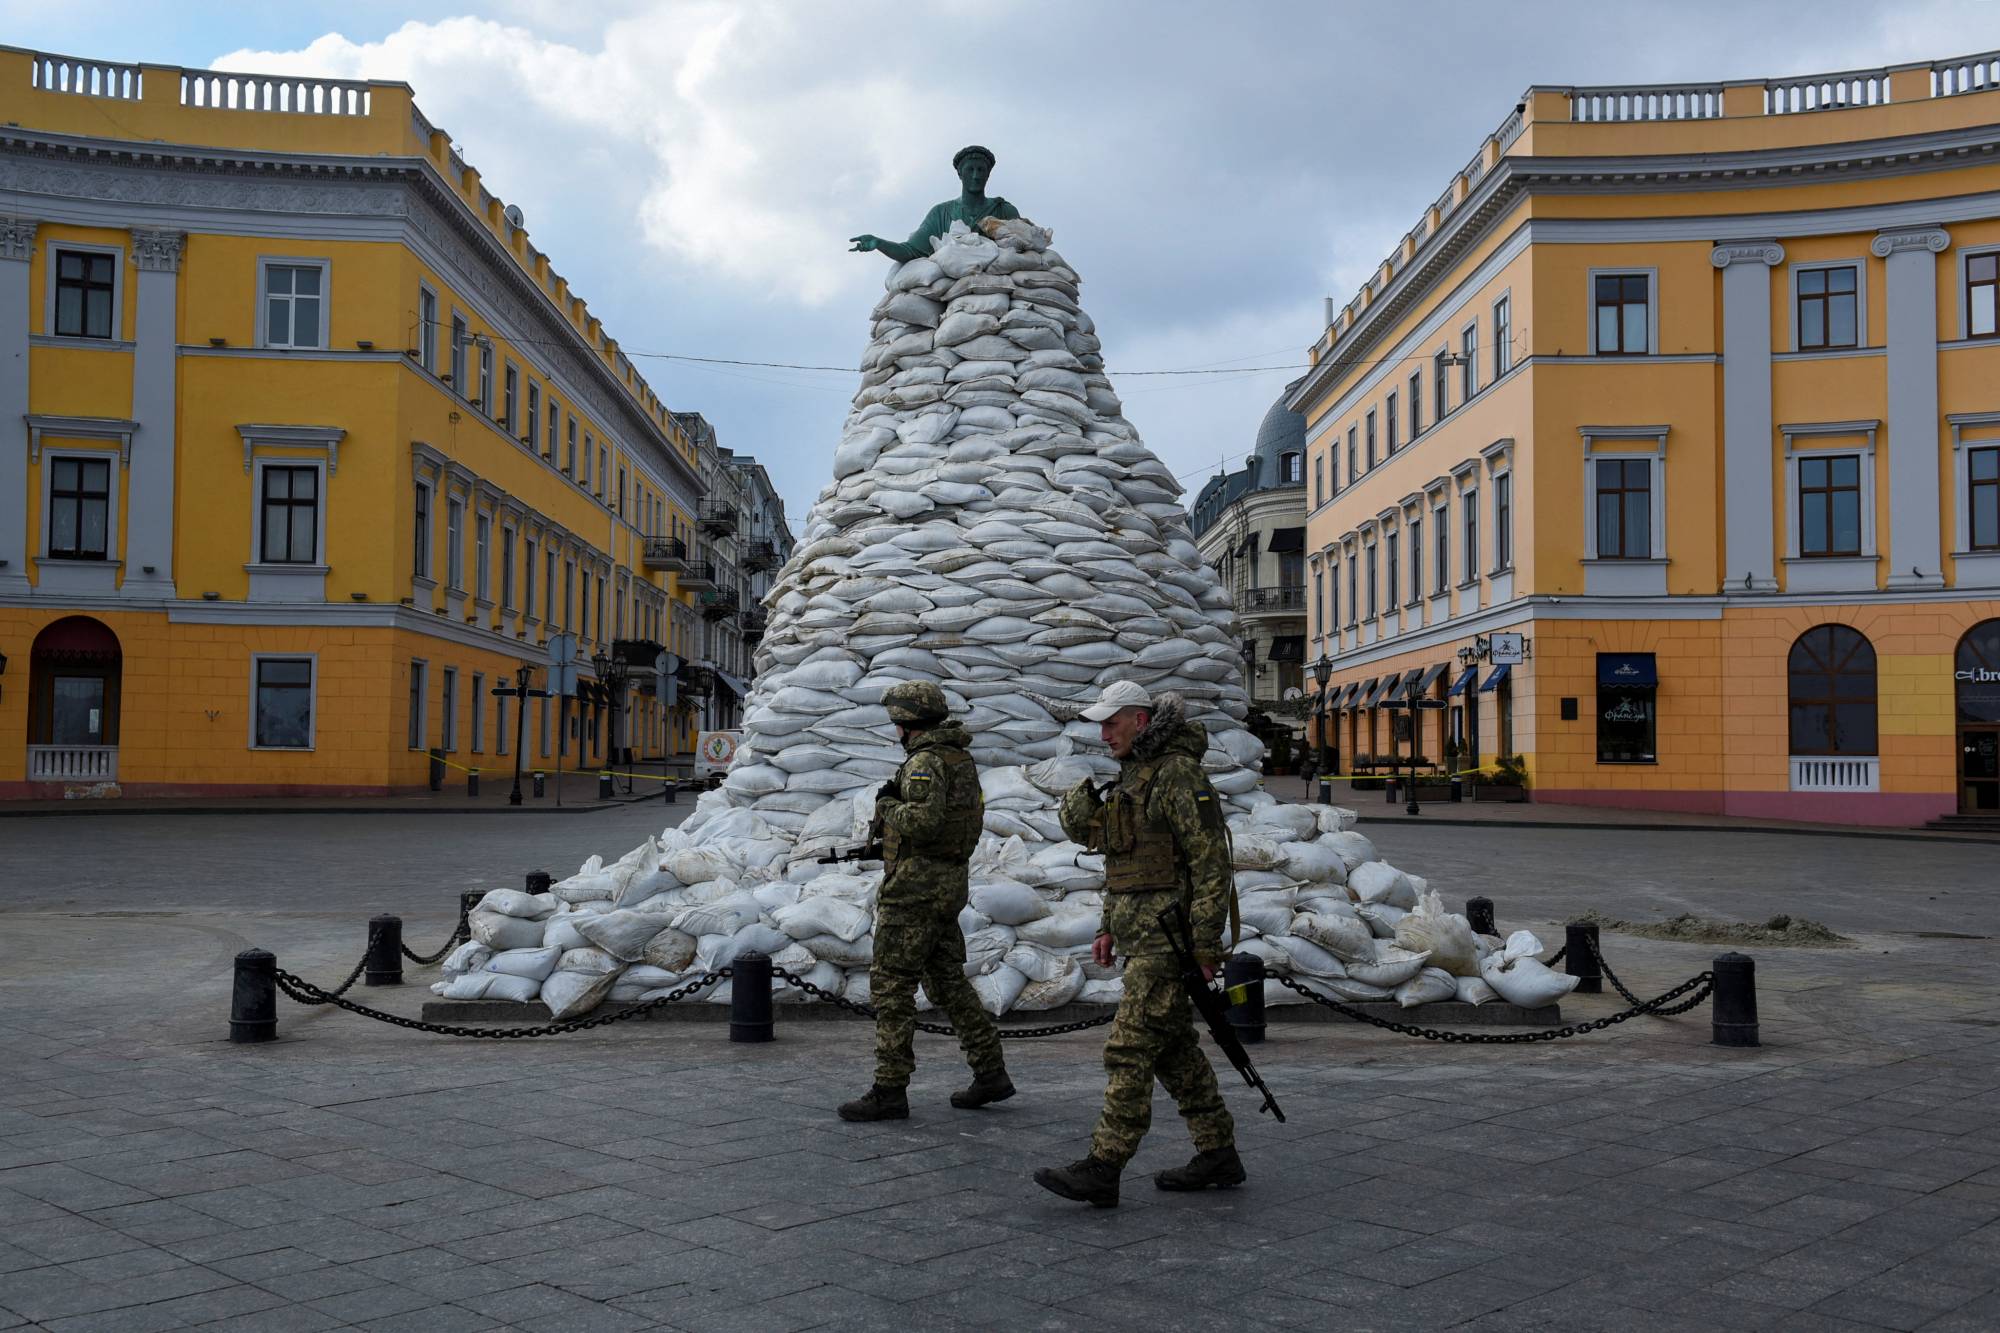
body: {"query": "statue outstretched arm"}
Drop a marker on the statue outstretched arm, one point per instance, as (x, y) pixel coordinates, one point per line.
(917, 247)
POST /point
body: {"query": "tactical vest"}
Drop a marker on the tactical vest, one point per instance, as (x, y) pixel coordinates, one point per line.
(1139, 854)
(954, 842)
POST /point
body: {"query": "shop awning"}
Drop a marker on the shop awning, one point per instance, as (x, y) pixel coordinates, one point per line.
(1287, 539)
(1382, 691)
(1361, 692)
(735, 686)
(1636, 670)
(1465, 681)
(1498, 674)
(1428, 679)
(1287, 648)
(1340, 694)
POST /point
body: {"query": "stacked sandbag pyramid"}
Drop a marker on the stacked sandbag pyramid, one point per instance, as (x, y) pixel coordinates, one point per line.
(995, 525)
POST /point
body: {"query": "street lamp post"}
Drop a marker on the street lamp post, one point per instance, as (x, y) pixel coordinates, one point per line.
(611, 675)
(521, 693)
(1410, 704)
(1323, 672)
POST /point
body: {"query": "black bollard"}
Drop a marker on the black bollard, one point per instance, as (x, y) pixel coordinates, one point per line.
(540, 779)
(1247, 1015)
(472, 782)
(1457, 790)
(1479, 914)
(1733, 1009)
(668, 784)
(1580, 958)
(750, 998)
(539, 881)
(1326, 791)
(1393, 791)
(385, 952)
(253, 1000)
(604, 787)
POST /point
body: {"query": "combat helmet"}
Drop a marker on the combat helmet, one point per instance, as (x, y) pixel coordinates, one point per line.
(916, 703)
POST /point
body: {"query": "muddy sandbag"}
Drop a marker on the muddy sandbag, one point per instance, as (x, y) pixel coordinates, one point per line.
(1380, 882)
(1433, 985)
(1525, 981)
(488, 986)
(1343, 936)
(670, 950)
(568, 994)
(534, 964)
(624, 933)
(499, 932)
(1389, 968)
(1474, 990)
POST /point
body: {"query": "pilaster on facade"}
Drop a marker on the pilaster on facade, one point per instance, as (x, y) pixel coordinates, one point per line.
(1910, 256)
(1748, 562)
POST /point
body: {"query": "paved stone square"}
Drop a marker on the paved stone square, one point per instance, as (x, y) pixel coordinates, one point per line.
(651, 1175)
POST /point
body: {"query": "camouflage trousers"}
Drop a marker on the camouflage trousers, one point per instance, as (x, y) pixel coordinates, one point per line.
(1152, 1037)
(920, 943)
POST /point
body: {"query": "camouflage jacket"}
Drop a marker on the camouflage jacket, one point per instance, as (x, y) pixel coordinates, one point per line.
(1179, 803)
(931, 819)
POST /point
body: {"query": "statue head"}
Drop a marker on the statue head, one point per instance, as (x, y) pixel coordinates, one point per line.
(974, 164)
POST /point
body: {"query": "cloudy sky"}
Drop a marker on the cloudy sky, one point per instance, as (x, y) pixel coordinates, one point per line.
(694, 167)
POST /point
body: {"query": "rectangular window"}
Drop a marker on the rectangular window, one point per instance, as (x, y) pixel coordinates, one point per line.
(1982, 468)
(533, 438)
(1982, 295)
(1468, 364)
(1353, 581)
(589, 447)
(1829, 505)
(79, 509)
(454, 543)
(501, 705)
(1392, 412)
(1372, 571)
(1319, 599)
(1827, 311)
(427, 319)
(621, 491)
(1622, 304)
(1416, 560)
(569, 465)
(510, 385)
(1352, 470)
(1624, 508)
(603, 470)
(583, 630)
(1371, 438)
(291, 516)
(461, 383)
(486, 403)
(549, 591)
(448, 711)
(416, 705)
(478, 702)
(507, 568)
(1394, 587)
(1503, 336)
(1440, 524)
(284, 703)
(1625, 717)
(601, 590)
(1440, 381)
(569, 595)
(528, 579)
(1469, 502)
(555, 415)
(422, 566)
(482, 553)
(86, 290)
(294, 305)
(1503, 520)
(1332, 625)
(1319, 479)
(1416, 403)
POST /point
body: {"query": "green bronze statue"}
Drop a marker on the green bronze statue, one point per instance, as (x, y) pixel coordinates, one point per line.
(973, 165)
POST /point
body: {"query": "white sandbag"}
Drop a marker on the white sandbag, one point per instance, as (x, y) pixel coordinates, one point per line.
(985, 948)
(1274, 955)
(820, 915)
(724, 917)
(1352, 990)
(470, 956)
(1525, 981)
(823, 975)
(1310, 958)
(1009, 902)
(1380, 919)
(842, 953)
(1335, 819)
(1312, 862)
(999, 989)
(534, 964)
(1270, 913)
(671, 950)
(1354, 848)
(693, 865)
(1446, 935)
(568, 994)
(1474, 990)
(1107, 991)
(755, 937)
(856, 988)
(1286, 823)
(624, 933)
(560, 931)
(1031, 962)
(1433, 985)
(1258, 881)
(512, 902)
(488, 986)
(1380, 882)
(1345, 937)
(1064, 928)
(1390, 967)
(1063, 984)
(589, 959)
(498, 932)
(1251, 851)
(1521, 944)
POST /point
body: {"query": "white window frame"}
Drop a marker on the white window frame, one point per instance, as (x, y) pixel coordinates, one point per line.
(485, 403)
(427, 328)
(312, 695)
(420, 726)
(448, 710)
(1652, 276)
(1392, 414)
(1440, 384)
(533, 437)
(427, 544)
(1468, 369)
(1441, 538)
(1657, 515)
(1499, 458)
(454, 542)
(117, 253)
(1830, 573)
(112, 544)
(1980, 569)
(500, 706)
(482, 547)
(508, 564)
(1961, 296)
(1860, 268)
(258, 467)
(265, 263)
(1503, 348)
(460, 333)
(479, 712)
(510, 396)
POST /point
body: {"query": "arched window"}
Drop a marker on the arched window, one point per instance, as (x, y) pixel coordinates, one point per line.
(1832, 672)
(1291, 471)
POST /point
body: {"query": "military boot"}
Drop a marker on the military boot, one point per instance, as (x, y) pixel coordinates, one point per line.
(1212, 1168)
(989, 1086)
(878, 1103)
(1089, 1181)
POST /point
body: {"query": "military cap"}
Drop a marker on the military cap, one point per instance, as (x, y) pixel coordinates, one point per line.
(1117, 696)
(916, 702)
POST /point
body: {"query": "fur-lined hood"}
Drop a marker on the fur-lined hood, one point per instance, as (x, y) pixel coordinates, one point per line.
(1169, 732)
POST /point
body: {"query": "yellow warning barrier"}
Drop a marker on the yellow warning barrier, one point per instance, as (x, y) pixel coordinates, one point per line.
(574, 772)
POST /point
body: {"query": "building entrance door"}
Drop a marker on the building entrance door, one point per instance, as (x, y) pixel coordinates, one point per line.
(1977, 678)
(1979, 771)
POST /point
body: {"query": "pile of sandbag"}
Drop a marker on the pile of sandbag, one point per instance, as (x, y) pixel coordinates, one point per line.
(996, 526)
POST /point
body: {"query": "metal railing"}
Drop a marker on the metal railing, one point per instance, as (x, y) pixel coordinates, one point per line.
(1291, 598)
(72, 763)
(665, 553)
(698, 574)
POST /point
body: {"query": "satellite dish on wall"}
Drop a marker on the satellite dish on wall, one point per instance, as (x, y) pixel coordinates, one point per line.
(515, 218)
(1294, 693)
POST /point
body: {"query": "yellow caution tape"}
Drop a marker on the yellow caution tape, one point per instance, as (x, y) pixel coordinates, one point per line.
(601, 772)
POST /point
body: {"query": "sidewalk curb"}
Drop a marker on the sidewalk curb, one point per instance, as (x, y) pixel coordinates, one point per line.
(1890, 835)
(94, 809)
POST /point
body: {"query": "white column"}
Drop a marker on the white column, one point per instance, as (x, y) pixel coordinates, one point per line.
(17, 251)
(149, 517)
(1915, 551)
(1750, 555)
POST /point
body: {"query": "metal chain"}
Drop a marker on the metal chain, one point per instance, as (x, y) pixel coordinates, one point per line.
(1557, 957)
(1704, 981)
(1609, 975)
(459, 935)
(304, 992)
(868, 1012)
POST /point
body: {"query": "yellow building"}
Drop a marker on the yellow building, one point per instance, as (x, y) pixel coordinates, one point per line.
(312, 450)
(1695, 390)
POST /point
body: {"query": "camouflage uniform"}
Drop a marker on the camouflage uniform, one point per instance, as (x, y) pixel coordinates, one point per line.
(929, 821)
(1162, 832)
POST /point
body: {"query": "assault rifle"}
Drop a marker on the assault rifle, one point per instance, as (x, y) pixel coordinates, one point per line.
(871, 851)
(1213, 1002)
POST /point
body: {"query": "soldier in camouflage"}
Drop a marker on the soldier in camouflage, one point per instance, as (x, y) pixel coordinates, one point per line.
(1161, 829)
(928, 820)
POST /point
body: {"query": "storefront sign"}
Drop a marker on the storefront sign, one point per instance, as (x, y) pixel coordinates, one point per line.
(1508, 650)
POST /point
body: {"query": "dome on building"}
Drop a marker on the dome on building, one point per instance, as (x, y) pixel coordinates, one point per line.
(1283, 432)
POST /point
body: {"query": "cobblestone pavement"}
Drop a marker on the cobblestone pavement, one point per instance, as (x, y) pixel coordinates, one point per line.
(152, 1176)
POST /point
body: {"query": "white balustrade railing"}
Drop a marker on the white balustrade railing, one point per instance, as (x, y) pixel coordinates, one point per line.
(1965, 74)
(1651, 102)
(1836, 773)
(221, 91)
(1826, 92)
(86, 78)
(72, 763)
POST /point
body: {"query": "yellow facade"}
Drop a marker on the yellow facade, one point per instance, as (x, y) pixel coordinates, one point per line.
(188, 330)
(1694, 487)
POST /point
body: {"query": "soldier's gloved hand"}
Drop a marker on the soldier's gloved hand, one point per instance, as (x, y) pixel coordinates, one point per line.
(887, 792)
